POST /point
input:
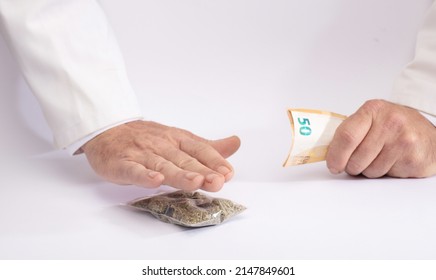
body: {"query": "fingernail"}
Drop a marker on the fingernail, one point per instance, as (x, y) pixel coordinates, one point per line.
(334, 171)
(211, 177)
(223, 170)
(228, 173)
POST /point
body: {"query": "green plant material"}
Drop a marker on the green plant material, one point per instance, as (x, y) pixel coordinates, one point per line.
(189, 209)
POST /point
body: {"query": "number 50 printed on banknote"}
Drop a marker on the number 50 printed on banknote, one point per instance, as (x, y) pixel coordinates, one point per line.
(312, 132)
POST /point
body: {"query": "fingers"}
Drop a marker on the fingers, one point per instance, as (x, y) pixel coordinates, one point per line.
(207, 156)
(174, 175)
(366, 152)
(382, 164)
(129, 172)
(347, 138)
(227, 146)
(190, 175)
(380, 148)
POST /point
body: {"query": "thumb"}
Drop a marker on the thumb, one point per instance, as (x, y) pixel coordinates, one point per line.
(227, 146)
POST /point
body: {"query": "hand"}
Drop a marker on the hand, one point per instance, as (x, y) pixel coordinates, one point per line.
(384, 138)
(149, 154)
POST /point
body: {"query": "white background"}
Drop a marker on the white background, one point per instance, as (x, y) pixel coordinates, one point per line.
(219, 68)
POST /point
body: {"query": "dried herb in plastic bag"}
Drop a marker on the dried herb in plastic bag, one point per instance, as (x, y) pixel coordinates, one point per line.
(189, 209)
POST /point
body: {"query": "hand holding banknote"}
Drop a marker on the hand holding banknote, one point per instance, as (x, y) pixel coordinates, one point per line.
(384, 138)
(381, 138)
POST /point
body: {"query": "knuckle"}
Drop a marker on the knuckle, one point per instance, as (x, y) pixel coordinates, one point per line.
(373, 105)
(411, 162)
(169, 136)
(394, 122)
(198, 149)
(161, 148)
(408, 141)
(187, 163)
(161, 165)
(347, 136)
(124, 155)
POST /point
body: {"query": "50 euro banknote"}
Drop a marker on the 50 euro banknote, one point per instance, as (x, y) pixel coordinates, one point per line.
(312, 132)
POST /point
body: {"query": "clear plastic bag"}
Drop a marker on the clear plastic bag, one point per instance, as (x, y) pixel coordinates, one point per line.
(189, 209)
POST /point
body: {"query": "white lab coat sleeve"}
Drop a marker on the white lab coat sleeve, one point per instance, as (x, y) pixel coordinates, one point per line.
(416, 85)
(71, 61)
(75, 147)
